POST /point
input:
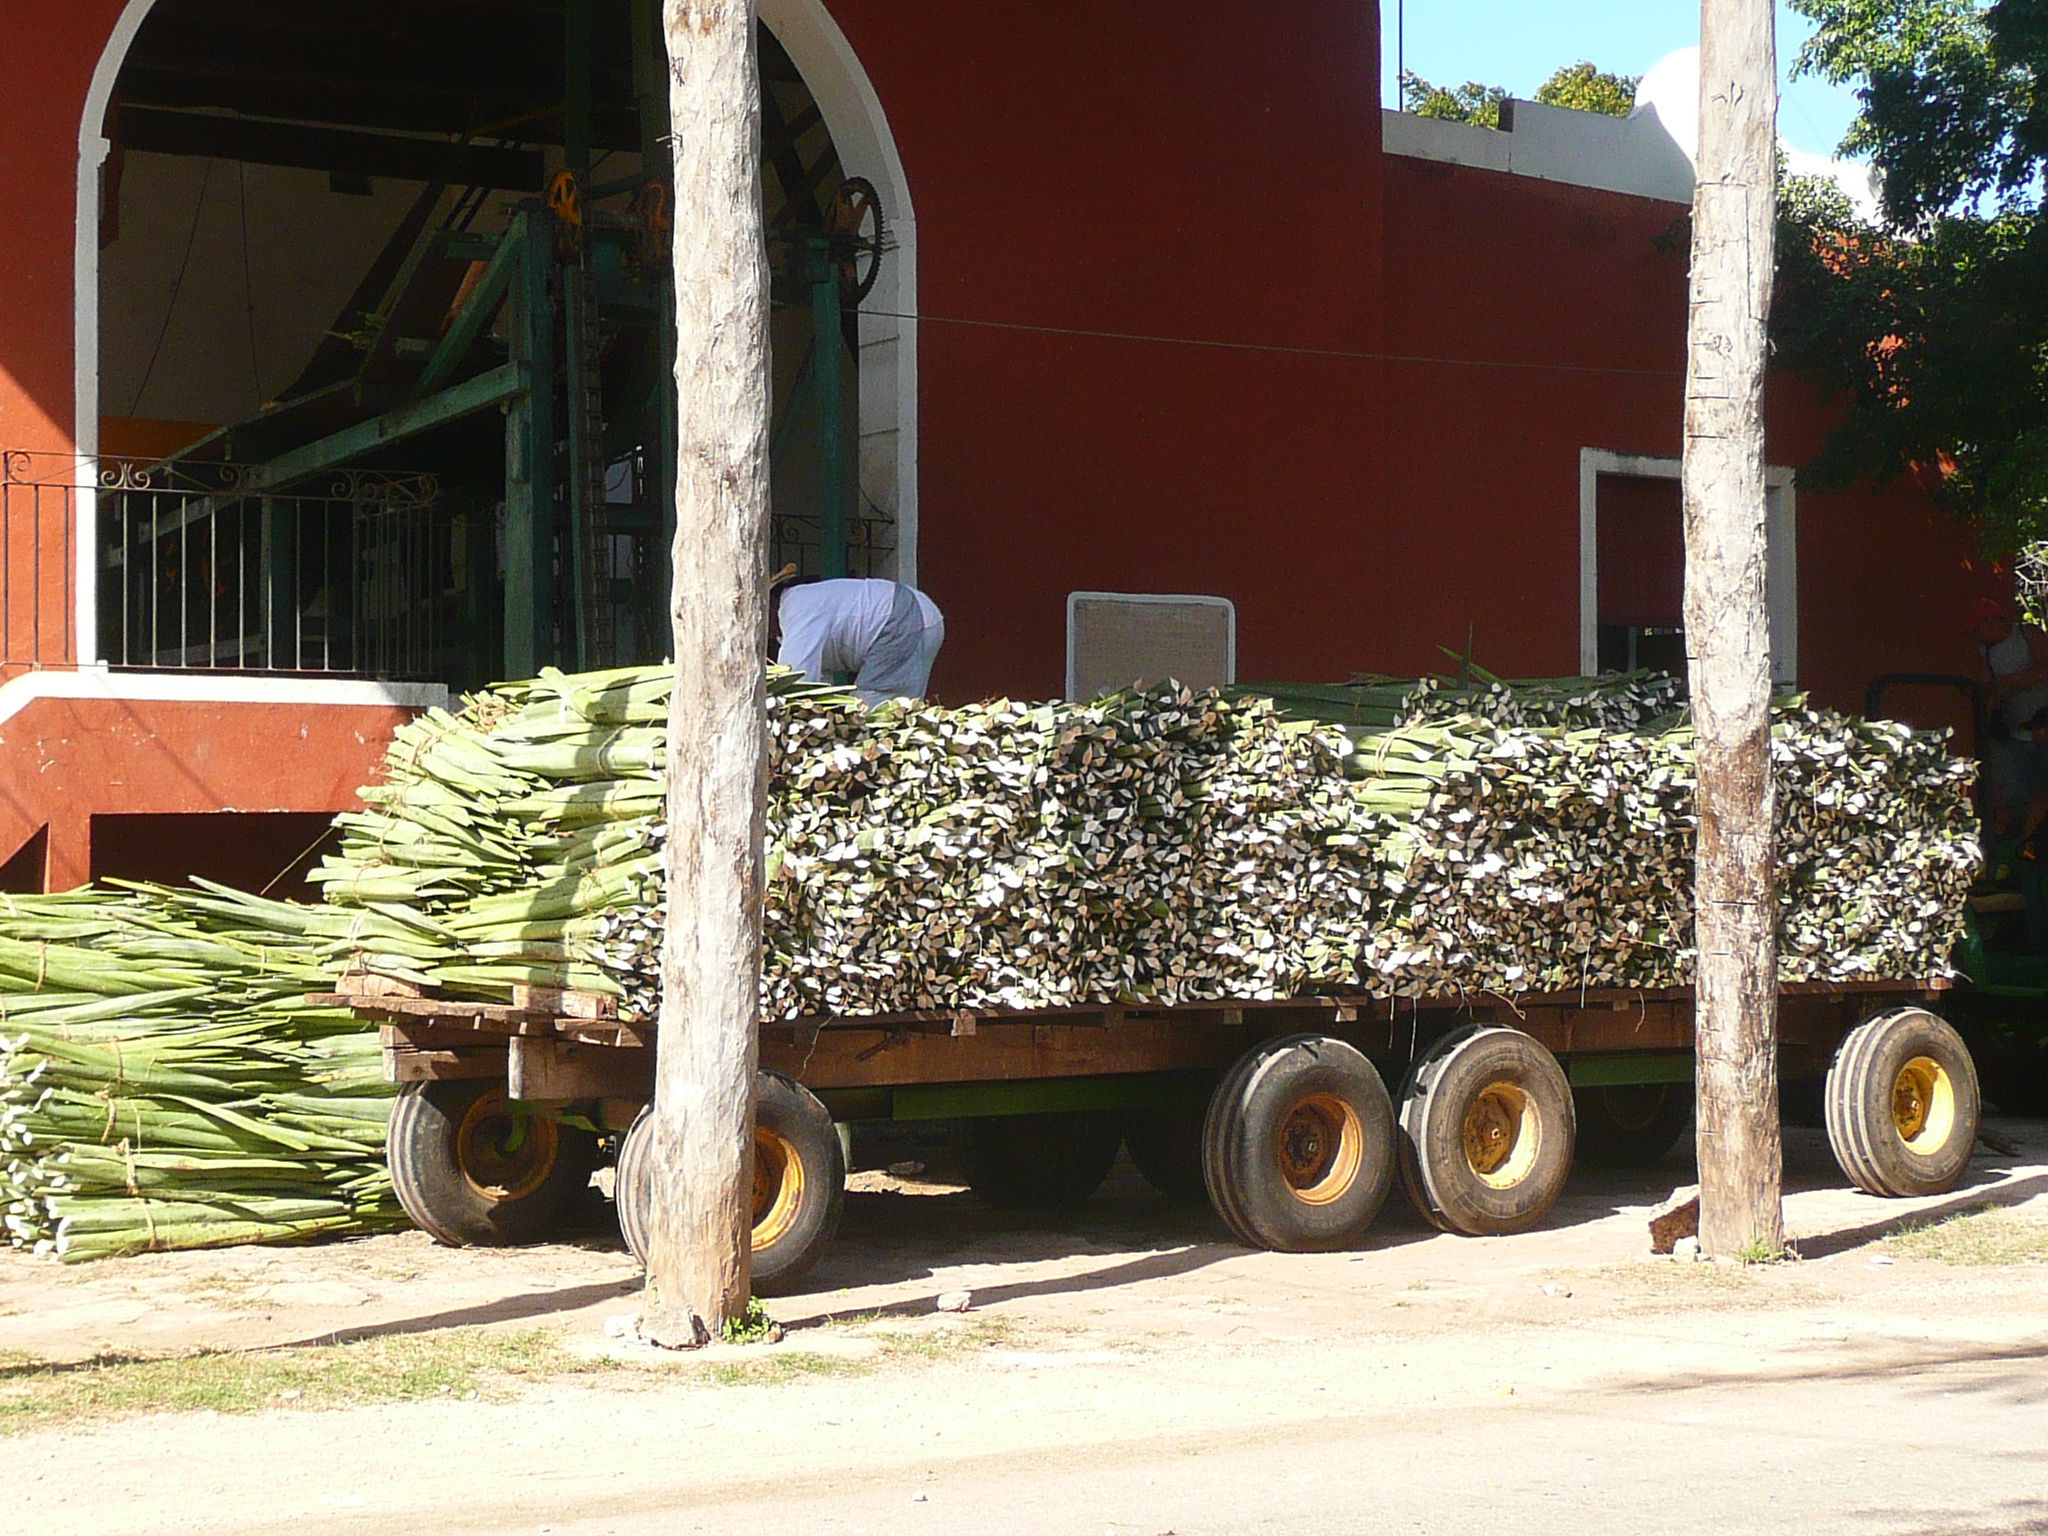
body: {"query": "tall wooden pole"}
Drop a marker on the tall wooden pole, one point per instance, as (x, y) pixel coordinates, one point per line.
(701, 1155)
(1727, 626)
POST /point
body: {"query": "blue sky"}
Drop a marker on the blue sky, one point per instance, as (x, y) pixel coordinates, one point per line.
(1518, 43)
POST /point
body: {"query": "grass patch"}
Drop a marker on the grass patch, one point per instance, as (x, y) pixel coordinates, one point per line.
(893, 1346)
(465, 1364)
(753, 1326)
(1985, 1234)
(460, 1363)
(1758, 1251)
(948, 1343)
(1665, 1278)
(779, 1368)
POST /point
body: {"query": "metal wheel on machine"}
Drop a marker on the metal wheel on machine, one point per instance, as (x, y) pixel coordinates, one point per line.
(1041, 1162)
(1487, 1130)
(1630, 1125)
(472, 1167)
(1903, 1104)
(1298, 1145)
(799, 1182)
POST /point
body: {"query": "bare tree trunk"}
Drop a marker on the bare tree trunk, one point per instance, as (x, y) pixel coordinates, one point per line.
(1727, 626)
(701, 1157)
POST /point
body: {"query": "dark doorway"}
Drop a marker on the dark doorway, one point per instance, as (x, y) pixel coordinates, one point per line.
(269, 852)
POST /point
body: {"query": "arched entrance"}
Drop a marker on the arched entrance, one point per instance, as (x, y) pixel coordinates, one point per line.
(318, 265)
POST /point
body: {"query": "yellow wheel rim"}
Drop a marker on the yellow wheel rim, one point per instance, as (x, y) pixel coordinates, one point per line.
(1321, 1148)
(778, 1187)
(1502, 1135)
(504, 1155)
(1924, 1105)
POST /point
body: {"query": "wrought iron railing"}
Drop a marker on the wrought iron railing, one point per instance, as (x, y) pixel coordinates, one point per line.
(38, 566)
(215, 567)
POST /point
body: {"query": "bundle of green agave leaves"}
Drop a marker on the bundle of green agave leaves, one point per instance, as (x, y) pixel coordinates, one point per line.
(1148, 847)
(162, 1085)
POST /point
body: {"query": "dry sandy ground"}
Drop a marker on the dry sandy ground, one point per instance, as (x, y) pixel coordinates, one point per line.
(1147, 1377)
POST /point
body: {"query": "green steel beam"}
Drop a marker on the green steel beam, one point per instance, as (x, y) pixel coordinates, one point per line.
(827, 326)
(581, 380)
(784, 431)
(650, 90)
(404, 157)
(1617, 1069)
(409, 420)
(578, 104)
(475, 317)
(530, 464)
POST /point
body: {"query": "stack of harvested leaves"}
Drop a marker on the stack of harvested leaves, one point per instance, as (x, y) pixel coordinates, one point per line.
(163, 1086)
(1155, 847)
(1149, 847)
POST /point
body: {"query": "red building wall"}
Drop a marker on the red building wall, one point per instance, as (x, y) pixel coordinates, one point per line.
(1185, 329)
(1552, 319)
(1207, 176)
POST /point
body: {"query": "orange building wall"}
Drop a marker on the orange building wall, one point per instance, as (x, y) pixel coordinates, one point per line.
(53, 47)
(62, 760)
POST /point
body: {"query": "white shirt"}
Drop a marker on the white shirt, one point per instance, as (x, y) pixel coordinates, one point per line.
(832, 626)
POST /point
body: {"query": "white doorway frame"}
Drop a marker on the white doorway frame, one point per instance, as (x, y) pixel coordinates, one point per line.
(1781, 534)
(888, 452)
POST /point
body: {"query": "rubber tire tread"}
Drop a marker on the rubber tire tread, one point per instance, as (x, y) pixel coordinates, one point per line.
(1443, 1187)
(1865, 1141)
(1222, 1195)
(427, 1177)
(1244, 1181)
(1601, 1142)
(1051, 1162)
(628, 1184)
(792, 1112)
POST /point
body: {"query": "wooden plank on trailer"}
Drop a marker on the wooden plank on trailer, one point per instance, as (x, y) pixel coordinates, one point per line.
(405, 1065)
(563, 1003)
(367, 984)
(559, 1069)
(878, 1057)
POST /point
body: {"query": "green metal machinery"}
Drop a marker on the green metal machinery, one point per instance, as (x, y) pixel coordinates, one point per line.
(519, 350)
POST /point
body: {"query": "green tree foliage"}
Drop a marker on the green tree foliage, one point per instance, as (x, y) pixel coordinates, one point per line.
(1468, 103)
(1935, 323)
(1584, 88)
(1581, 87)
(1954, 112)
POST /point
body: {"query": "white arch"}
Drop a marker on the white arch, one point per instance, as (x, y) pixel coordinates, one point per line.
(888, 345)
(860, 132)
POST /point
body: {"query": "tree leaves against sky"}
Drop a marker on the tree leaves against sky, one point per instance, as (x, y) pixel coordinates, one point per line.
(1578, 86)
(1936, 324)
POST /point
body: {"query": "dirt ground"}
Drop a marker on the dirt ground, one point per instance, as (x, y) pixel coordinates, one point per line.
(1125, 1371)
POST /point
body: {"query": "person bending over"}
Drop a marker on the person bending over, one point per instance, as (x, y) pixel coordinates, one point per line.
(883, 634)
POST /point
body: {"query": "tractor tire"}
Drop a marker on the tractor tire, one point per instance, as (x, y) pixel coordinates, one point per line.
(1903, 1104)
(1488, 1129)
(472, 1168)
(1631, 1125)
(1298, 1145)
(799, 1183)
(1166, 1145)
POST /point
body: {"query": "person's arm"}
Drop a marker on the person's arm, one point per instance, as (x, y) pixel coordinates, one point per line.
(806, 627)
